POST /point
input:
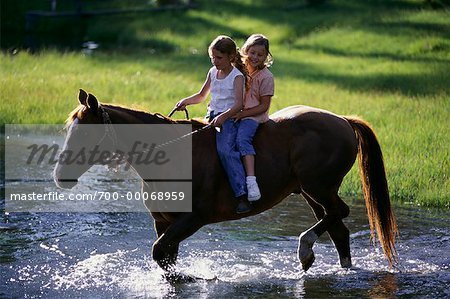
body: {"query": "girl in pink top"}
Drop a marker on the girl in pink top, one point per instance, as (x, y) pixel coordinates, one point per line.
(257, 59)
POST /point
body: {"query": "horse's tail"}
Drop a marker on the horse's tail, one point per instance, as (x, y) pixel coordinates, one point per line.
(375, 187)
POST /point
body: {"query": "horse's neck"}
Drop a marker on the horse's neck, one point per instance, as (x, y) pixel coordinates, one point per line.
(121, 115)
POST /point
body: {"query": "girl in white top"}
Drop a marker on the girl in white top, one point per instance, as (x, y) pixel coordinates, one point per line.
(223, 93)
(226, 82)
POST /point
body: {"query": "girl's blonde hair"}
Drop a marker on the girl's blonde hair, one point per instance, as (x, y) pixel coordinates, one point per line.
(226, 45)
(257, 40)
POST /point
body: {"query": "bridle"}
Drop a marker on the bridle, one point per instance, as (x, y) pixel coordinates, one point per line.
(109, 128)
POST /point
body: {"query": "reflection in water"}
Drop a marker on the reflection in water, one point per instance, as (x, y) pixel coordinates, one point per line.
(385, 287)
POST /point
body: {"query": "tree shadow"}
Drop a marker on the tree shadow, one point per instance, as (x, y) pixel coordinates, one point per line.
(179, 45)
(303, 20)
(378, 54)
(144, 33)
(409, 27)
(417, 84)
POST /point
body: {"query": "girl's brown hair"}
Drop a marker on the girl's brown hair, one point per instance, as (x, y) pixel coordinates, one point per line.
(257, 40)
(226, 45)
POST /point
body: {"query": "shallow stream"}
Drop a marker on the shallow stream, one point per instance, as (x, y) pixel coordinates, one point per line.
(105, 255)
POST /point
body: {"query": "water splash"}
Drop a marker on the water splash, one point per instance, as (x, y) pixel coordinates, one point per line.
(118, 271)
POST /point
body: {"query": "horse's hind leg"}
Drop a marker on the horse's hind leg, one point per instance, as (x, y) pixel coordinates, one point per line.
(338, 233)
(334, 210)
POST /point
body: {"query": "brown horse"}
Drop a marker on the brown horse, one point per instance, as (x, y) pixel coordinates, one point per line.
(300, 150)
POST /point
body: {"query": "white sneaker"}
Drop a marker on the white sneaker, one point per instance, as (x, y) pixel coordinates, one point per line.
(253, 192)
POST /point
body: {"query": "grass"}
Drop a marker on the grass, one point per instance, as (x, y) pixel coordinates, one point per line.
(386, 61)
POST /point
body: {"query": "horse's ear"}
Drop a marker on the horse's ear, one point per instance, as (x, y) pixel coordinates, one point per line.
(92, 103)
(82, 97)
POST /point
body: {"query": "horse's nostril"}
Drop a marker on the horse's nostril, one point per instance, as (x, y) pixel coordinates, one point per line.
(65, 184)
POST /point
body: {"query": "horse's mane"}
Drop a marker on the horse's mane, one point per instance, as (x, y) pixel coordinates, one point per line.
(75, 113)
(144, 116)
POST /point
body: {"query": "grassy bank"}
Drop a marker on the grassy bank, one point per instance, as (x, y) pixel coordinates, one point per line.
(388, 62)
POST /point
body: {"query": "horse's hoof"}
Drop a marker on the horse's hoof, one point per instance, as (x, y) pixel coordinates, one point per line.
(346, 262)
(177, 277)
(305, 252)
(308, 261)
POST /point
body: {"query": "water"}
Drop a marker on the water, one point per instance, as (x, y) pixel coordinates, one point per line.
(108, 254)
(104, 255)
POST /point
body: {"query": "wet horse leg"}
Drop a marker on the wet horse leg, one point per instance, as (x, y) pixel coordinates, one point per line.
(160, 227)
(165, 248)
(171, 252)
(338, 232)
(332, 214)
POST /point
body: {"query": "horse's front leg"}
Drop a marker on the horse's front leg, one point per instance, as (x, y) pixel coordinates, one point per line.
(165, 248)
(165, 257)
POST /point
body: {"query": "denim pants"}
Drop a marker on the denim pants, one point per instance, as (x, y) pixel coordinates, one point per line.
(244, 139)
(230, 157)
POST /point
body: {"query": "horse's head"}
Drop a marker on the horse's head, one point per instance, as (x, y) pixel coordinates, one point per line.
(86, 133)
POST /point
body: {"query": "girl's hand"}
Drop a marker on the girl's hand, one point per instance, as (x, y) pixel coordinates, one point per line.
(181, 105)
(240, 115)
(218, 121)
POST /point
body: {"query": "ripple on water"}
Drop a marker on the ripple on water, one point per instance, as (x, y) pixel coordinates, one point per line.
(108, 255)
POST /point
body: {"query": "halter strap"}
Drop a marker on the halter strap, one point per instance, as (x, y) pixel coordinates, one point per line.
(109, 128)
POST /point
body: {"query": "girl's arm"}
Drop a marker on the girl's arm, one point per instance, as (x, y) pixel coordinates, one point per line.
(261, 108)
(196, 97)
(238, 104)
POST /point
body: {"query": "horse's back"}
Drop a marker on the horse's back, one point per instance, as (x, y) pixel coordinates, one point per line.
(321, 143)
(304, 119)
(300, 112)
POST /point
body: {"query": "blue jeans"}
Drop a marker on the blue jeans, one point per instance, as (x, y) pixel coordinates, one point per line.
(246, 132)
(230, 157)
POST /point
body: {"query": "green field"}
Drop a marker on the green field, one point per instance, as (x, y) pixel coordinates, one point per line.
(385, 61)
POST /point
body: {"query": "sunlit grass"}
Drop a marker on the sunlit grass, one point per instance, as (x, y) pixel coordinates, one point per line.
(387, 63)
